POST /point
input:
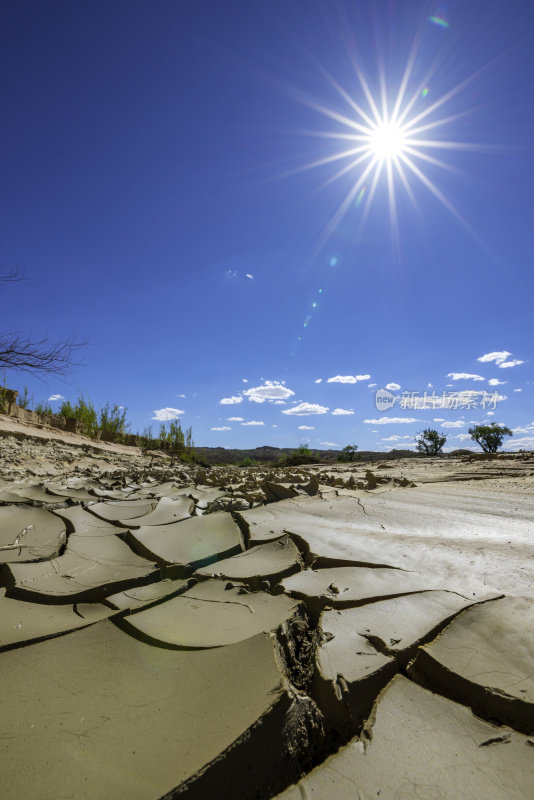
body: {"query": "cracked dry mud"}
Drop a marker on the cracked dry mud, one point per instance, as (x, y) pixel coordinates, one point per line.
(313, 632)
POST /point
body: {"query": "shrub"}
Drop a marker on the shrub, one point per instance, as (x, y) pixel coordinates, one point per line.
(112, 422)
(25, 400)
(172, 436)
(44, 408)
(247, 462)
(84, 411)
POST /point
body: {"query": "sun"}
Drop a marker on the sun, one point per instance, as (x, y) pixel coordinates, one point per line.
(387, 141)
(389, 136)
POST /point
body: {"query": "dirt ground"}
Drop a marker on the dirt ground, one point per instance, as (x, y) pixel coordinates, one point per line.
(324, 631)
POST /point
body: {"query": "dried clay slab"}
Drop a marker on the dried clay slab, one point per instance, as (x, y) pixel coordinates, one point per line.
(343, 587)
(90, 567)
(97, 713)
(29, 534)
(361, 648)
(266, 562)
(165, 512)
(485, 659)
(420, 745)
(82, 522)
(210, 615)
(22, 621)
(114, 511)
(191, 543)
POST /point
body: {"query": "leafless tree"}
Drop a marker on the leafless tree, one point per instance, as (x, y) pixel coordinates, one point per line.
(23, 353)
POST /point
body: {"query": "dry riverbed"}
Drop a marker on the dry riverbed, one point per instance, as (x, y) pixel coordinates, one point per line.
(318, 632)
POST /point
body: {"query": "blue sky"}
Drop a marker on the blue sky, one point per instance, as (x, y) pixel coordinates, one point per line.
(159, 196)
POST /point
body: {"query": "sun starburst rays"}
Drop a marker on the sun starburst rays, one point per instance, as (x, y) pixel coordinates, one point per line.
(390, 140)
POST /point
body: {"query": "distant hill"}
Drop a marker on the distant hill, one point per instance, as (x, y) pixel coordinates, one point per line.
(266, 454)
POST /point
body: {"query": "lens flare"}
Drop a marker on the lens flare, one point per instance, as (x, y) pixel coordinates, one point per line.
(439, 21)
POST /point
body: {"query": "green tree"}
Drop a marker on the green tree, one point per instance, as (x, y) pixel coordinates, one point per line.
(489, 437)
(430, 442)
(348, 453)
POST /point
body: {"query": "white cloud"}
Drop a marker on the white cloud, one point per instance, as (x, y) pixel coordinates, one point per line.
(319, 380)
(338, 412)
(244, 380)
(253, 422)
(514, 363)
(306, 428)
(235, 419)
(371, 385)
(395, 438)
(281, 402)
(271, 390)
(180, 395)
(464, 376)
(348, 378)
(329, 444)
(165, 414)
(524, 443)
(438, 419)
(221, 428)
(496, 382)
(249, 275)
(463, 437)
(525, 429)
(306, 409)
(54, 397)
(392, 387)
(518, 390)
(498, 356)
(229, 401)
(390, 420)
(430, 386)
(230, 274)
(458, 424)
(490, 413)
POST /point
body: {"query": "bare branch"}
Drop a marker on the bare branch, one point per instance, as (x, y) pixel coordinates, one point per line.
(13, 275)
(24, 354)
